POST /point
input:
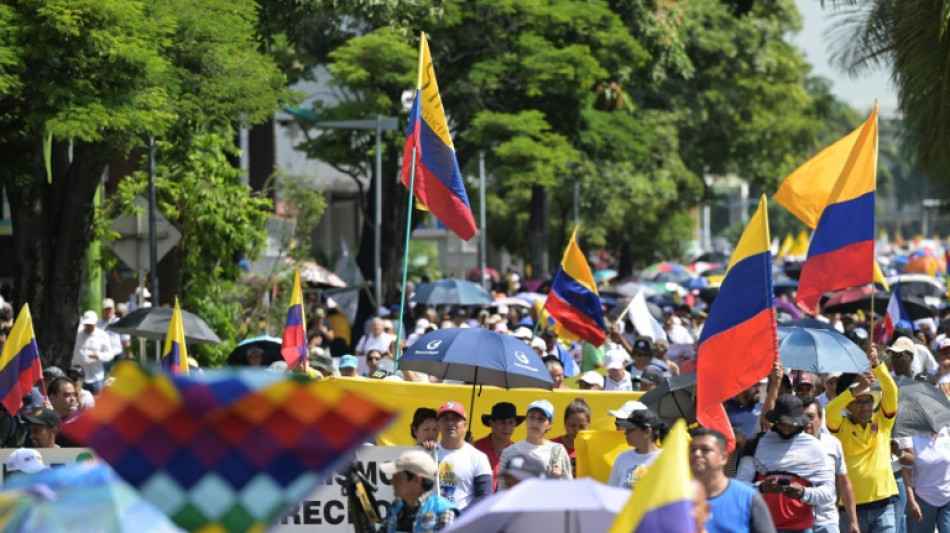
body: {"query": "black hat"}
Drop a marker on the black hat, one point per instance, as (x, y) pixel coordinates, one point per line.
(44, 417)
(53, 372)
(503, 411)
(643, 344)
(77, 369)
(788, 410)
(652, 374)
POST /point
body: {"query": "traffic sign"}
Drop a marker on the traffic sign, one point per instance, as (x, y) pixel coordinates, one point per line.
(132, 245)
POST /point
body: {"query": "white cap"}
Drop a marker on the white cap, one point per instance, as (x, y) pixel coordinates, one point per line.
(417, 462)
(108, 303)
(143, 292)
(591, 377)
(523, 333)
(615, 359)
(538, 344)
(627, 408)
(90, 317)
(26, 460)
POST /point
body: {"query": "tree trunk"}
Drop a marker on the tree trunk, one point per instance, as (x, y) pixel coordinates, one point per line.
(52, 226)
(538, 233)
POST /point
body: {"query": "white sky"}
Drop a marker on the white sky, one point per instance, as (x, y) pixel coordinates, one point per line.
(858, 92)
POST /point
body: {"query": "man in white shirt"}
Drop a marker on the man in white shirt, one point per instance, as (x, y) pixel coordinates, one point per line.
(93, 348)
(118, 342)
(376, 339)
(465, 475)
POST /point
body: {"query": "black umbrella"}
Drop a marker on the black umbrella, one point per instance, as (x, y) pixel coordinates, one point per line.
(270, 346)
(915, 307)
(673, 398)
(922, 409)
(152, 323)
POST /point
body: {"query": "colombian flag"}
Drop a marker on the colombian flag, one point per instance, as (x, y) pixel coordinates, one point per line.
(175, 355)
(841, 253)
(294, 345)
(20, 365)
(437, 183)
(738, 344)
(662, 501)
(573, 300)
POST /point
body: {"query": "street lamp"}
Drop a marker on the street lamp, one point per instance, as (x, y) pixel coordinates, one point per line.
(380, 124)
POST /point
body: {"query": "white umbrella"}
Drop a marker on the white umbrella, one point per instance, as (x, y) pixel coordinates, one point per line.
(548, 505)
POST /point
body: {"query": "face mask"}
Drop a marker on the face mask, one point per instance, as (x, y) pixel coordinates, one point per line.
(788, 436)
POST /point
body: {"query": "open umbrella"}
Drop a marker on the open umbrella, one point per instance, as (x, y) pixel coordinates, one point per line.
(152, 323)
(86, 496)
(451, 292)
(605, 274)
(269, 345)
(673, 398)
(665, 272)
(548, 505)
(812, 323)
(922, 409)
(478, 356)
(819, 350)
(915, 307)
(849, 295)
(315, 274)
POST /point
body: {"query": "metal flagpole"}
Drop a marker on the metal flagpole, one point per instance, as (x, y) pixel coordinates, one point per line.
(405, 258)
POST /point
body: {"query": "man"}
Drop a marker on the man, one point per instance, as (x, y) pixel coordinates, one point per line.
(592, 357)
(27, 461)
(734, 506)
(91, 350)
(77, 375)
(642, 353)
(660, 359)
(503, 420)
(349, 366)
(522, 468)
(829, 380)
(804, 384)
(697, 319)
(119, 343)
(744, 410)
(591, 380)
(865, 437)
(63, 398)
(789, 467)
(465, 476)
(826, 515)
(618, 379)
(376, 339)
(923, 360)
(649, 379)
(902, 353)
(44, 427)
(555, 349)
(417, 507)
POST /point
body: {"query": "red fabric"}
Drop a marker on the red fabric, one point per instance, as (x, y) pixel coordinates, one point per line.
(788, 513)
(845, 267)
(484, 445)
(575, 321)
(571, 452)
(714, 417)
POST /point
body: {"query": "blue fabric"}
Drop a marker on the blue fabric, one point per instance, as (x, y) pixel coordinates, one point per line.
(826, 528)
(426, 517)
(900, 505)
(570, 366)
(933, 517)
(744, 418)
(873, 520)
(799, 348)
(731, 511)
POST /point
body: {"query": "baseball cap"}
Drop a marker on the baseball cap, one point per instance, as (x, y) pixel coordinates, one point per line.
(544, 406)
(349, 361)
(944, 344)
(627, 408)
(522, 467)
(538, 343)
(108, 303)
(43, 417)
(805, 377)
(652, 374)
(591, 377)
(76, 369)
(89, 317)
(26, 460)
(615, 359)
(417, 462)
(643, 344)
(903, 345)
(452, 407)
(523, 333)
(53, 372)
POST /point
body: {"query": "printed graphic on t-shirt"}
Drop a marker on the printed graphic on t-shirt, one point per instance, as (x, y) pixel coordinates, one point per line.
(448, 481)
(633, 476)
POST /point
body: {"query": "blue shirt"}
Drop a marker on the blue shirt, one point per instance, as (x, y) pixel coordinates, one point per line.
(745, 418)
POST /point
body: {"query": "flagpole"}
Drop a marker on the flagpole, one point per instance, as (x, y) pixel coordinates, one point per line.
(405, 259)
(874, 231)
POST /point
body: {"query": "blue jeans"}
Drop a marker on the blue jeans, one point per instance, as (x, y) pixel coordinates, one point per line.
(826, 528)
(933, 517)
(900, 505)
(871, 520)
(794, 531)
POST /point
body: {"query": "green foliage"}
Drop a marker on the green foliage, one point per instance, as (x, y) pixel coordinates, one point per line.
(424, 260)
(307, 204)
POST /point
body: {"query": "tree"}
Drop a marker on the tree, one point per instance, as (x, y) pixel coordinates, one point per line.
(86, 81)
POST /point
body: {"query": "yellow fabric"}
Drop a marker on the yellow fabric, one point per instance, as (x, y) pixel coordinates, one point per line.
(667, 481)
(879, 276)
(431, 103)
(867, 450)
(597, 451)
(405, 397)
(176, 334)
(755, 239)
(20, 336)
(800, 249)
(787, 245)
(341, 326)
(575, 265)
(859, 175)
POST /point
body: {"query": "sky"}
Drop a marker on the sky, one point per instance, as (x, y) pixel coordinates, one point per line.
(858, 92)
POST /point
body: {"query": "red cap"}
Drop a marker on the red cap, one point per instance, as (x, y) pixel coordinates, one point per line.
(452, 407)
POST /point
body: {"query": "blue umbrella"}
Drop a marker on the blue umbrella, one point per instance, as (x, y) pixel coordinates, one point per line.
(605, 274)
(451, 292)
(819, 350)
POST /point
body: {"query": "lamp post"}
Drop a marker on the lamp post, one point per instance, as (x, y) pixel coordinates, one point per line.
(380, 124)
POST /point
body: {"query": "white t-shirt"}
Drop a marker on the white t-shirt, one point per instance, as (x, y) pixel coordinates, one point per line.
(828, 513)
(87, 344)
(549, 453)
(629, 467)
(457, 472)
(624, 385)
(923, 360)
(932, 468)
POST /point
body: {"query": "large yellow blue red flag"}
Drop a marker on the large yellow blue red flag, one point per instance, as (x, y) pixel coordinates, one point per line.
(743, 315)
(294, 344)
(175, 355)
(573, 300)
(438, 181)
(20, 365)
(662, 501)
(841, 253)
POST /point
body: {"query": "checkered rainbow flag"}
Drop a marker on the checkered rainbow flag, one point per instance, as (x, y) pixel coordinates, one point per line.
(225, 451)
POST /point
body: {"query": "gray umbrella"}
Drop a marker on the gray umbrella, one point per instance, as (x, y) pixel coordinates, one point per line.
(152, 323)
(673, 398)
(922, 409)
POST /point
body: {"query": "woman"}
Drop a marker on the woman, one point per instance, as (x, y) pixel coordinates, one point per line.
(643, 430)
(537, 423)
(424, 428)
(928, 487)
(576, 419)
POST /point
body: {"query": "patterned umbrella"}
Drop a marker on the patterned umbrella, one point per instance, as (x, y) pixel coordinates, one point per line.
(225, 450)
